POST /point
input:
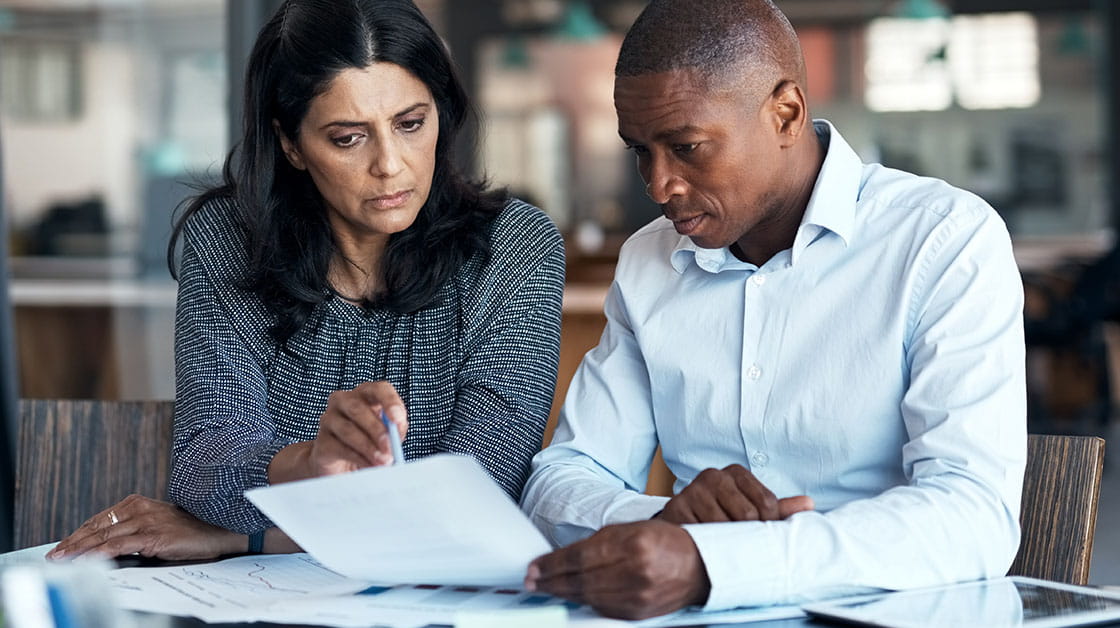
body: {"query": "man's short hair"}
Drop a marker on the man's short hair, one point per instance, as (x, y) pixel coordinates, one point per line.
(721, 41)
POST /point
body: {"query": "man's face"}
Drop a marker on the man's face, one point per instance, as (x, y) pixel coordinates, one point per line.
(710, 159)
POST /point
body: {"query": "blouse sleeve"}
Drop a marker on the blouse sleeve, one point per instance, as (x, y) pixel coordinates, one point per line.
(224, 436)
(511, 321)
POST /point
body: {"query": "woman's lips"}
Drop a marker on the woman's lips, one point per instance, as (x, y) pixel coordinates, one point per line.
(391, 201)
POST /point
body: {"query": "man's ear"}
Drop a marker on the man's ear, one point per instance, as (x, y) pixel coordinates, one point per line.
(793, 114)
(291, 151)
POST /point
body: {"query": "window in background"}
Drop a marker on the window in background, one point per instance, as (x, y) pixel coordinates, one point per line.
(906, 68)
(1010, 106)
(110, 110)
(983, 62)
(993, 60)
(41, 80)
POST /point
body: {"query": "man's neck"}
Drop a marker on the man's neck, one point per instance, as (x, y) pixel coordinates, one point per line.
(768, 239)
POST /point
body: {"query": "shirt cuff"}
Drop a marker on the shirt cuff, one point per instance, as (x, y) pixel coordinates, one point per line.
(638, 507)
(740, 558)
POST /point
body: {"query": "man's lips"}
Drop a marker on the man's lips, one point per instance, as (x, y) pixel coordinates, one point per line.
(687, 226)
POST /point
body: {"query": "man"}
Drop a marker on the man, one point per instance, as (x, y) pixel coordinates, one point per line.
(798, 324)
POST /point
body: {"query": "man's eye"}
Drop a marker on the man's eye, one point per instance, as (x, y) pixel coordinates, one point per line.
(640, 150)
(684, 148)
(346, 141)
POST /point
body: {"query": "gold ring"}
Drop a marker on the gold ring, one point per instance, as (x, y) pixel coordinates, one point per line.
(113, 518)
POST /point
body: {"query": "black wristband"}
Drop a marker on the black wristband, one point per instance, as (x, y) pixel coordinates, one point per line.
(256, 542)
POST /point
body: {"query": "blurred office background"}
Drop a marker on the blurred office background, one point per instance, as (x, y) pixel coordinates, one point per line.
(111, 110)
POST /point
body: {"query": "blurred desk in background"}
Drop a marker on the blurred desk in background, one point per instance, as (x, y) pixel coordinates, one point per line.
(94, 338)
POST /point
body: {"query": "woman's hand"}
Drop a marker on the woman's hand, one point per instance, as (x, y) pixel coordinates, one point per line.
(351, 435)
(150, 528)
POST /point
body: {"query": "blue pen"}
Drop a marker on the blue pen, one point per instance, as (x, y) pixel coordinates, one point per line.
(394, 439)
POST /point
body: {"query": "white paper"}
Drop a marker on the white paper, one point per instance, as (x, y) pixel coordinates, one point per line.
(439, 520)
(36, 554)
(235, 590)
(295, 589)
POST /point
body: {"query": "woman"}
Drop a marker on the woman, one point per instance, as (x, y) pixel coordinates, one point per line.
(345, 268)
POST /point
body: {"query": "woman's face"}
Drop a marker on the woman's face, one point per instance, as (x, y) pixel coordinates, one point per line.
(369, 144)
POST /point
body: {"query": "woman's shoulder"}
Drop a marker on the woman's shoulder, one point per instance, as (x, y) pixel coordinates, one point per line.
(524, 242)
(522, 233)
(215, 220)
(215, 234)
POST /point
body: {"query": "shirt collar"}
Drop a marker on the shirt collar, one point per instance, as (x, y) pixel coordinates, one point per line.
(832, 207)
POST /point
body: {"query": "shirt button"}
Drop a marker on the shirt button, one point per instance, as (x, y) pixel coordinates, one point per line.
(754, 372)
(759, 459)
(758, 279)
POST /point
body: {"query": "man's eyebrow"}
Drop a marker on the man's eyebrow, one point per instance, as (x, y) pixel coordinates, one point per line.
(676, 131)
(666, 134)
(402, 112)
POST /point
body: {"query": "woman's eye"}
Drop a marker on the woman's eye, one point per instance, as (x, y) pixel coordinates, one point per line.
(412, 125)
(346, 141)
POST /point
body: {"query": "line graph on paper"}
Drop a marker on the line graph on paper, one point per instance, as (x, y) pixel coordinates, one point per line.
(258, 578)
(234, 583)
(265, 575)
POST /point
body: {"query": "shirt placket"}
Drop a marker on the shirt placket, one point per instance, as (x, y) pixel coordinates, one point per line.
(755, 376)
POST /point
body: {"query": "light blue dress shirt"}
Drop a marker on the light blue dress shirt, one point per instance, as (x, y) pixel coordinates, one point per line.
(876, 366)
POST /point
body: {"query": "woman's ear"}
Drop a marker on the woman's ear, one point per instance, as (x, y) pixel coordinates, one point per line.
(291, 151)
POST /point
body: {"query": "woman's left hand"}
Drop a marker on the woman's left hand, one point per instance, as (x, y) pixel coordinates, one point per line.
(139, 525)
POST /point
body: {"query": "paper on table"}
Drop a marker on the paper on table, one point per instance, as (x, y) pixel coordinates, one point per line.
(439, 520)
(238, 589)
(295, 589)
(31, 555)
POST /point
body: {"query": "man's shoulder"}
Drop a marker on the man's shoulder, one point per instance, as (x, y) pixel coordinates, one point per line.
(656, 240)
(888, 189)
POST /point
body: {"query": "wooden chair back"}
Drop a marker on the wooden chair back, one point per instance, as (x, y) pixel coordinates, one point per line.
(76, 458)
(1061, 489)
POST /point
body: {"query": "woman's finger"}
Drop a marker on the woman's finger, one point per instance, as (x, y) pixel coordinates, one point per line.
(352, 442)
(93, 526)
(97, 531)
(383, 396)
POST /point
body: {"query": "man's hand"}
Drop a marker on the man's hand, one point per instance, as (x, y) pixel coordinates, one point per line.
(631, 571)
(150, 528)
(730, 494)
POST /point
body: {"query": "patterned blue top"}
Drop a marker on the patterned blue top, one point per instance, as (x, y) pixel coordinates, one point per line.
(476, 370)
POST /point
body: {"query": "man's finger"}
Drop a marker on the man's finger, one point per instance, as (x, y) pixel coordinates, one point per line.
(793, 505)
(594, 552)
(585, 585)
(764, 501)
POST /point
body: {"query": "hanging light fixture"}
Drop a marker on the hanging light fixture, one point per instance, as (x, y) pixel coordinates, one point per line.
(578, 22)
(921, 9)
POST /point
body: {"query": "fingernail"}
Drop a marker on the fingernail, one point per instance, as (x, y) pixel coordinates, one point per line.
(56, 553)
(397, 413)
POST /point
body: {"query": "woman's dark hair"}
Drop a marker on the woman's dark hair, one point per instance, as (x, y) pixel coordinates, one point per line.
(288, 238)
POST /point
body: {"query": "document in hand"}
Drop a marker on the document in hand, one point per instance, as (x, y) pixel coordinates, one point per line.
(439, 520)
